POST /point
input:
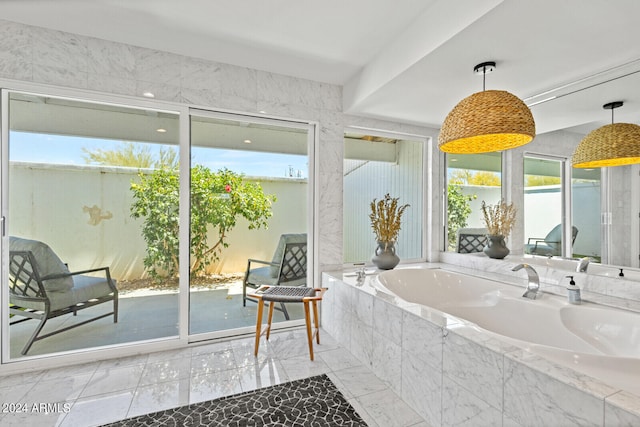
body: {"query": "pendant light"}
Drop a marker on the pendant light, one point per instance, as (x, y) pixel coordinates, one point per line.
(616, 144)
(487, 121)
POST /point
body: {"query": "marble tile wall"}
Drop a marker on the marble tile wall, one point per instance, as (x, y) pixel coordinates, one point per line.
(43, 56)
(453, 375)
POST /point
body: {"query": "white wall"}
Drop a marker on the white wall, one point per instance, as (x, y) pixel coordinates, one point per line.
(47, 202)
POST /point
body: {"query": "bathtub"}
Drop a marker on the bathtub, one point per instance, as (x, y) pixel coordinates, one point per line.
(598, 341)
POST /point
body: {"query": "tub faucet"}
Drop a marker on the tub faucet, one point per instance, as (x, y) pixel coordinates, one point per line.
(533, 286)
(583, 263)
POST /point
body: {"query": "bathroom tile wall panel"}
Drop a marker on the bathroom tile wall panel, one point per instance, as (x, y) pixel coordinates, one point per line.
(463, 408)
(386, 361)
(387, 341)
(422, 367)
(533, 398)
(474, 367)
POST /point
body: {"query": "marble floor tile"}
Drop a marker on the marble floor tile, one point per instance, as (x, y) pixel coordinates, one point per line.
(268, 373)
(388, 409)
(102, 392)
(101, 409)
(214, 385)
(360, 380)
(113, 379)
(160, 396)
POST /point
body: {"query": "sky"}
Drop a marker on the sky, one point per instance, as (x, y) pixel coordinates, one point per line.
(42, 148)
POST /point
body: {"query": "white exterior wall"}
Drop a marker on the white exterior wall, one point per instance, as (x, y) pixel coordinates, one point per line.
(37, 212)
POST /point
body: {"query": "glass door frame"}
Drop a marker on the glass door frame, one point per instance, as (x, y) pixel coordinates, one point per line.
(91, 353)
(312, 204)
(8, 365)
(566, 217)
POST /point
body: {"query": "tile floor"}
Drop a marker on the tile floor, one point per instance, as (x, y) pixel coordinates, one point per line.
(101, 392)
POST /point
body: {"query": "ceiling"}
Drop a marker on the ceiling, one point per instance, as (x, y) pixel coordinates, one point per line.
(402, 60)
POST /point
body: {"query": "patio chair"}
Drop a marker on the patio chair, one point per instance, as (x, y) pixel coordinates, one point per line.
(287, 267)
(42, 287)
(471, 240)
(551, 244)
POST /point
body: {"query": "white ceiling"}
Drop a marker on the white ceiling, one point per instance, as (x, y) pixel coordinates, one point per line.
(404, 60)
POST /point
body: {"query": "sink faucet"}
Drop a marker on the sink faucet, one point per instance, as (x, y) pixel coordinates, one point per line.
(583, 264)
(533, 286)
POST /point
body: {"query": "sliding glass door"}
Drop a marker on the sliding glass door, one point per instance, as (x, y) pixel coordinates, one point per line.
(136, 224)
(250, 201)
(84, 195)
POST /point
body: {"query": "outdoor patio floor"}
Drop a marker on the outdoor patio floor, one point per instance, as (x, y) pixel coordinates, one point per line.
(143, 316)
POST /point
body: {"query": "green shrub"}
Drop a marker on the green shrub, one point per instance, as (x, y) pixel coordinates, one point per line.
(458, 210)
(218, 199)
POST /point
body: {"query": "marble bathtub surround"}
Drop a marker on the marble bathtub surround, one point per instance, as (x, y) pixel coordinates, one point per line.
(453, 373)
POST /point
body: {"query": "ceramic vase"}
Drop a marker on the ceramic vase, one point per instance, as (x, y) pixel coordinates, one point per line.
(385, 257)
(496, 247)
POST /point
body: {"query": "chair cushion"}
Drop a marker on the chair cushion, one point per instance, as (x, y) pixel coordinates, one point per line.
(85, 288)
(279, 253)
(47, 262)
(261, 276)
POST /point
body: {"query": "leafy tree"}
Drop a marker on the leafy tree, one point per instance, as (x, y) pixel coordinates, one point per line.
(132, 155)
(217, 200)
(458, 210)
(465, 176)
(488, 179)
(539, 180)
(460, 176)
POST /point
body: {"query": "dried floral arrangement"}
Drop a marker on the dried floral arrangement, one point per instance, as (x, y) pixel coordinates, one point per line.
(499, 218)
(386, 216)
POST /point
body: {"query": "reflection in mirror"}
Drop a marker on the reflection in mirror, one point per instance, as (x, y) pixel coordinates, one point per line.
(471, 179)
(543, 206)
(585, 200)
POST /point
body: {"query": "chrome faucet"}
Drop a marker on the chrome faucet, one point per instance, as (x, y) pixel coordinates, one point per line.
(583, 264)
(533, 286)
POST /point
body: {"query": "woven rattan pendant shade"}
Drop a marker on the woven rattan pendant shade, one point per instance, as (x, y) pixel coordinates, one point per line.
(492, 120)
(610, 145)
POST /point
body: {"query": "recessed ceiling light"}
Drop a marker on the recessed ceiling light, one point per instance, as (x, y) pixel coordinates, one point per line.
(247, 141)
(161, 130)
(262, 112)
(148, 94)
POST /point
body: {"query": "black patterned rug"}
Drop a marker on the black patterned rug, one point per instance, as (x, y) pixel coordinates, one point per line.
(312, 401)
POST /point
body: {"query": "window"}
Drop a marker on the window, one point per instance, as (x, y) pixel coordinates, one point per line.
(374, 165)
(471, 179)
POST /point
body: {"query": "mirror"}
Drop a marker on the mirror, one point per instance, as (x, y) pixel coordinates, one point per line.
(603, 205)
(603, 208)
